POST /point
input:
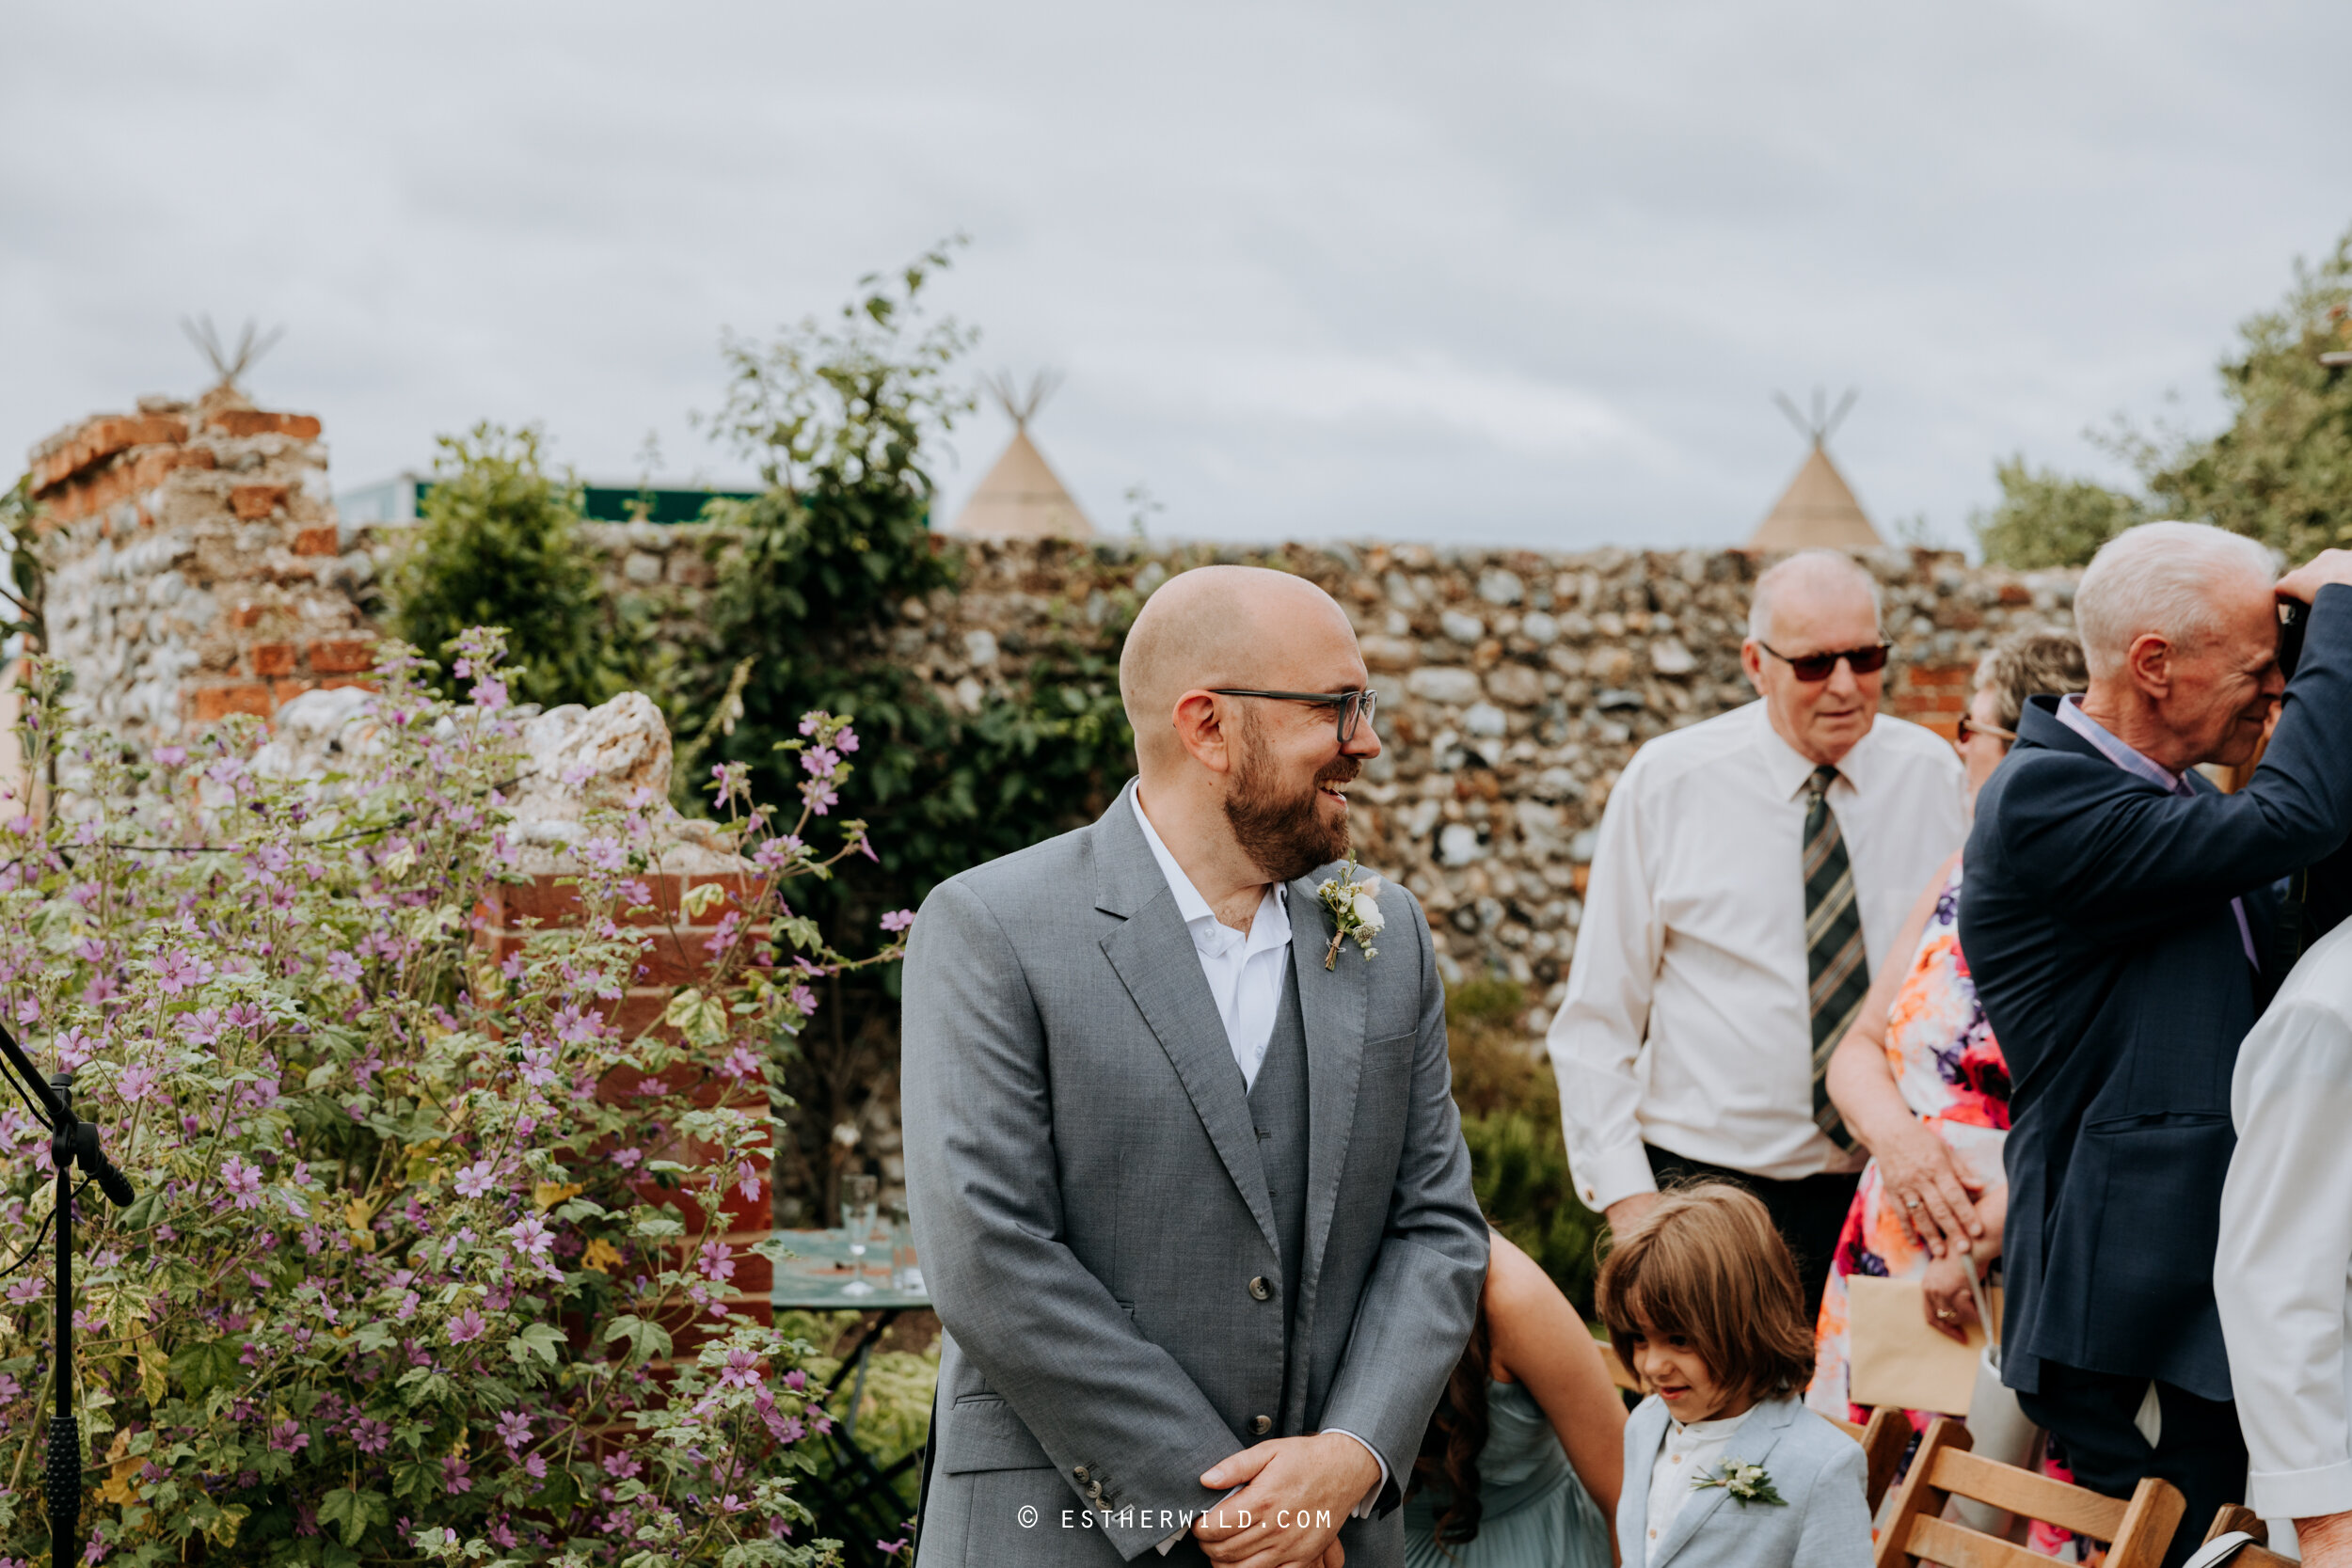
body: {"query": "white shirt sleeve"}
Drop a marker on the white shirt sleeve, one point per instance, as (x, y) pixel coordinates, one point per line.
(2281, 1273)
(1598, 1034)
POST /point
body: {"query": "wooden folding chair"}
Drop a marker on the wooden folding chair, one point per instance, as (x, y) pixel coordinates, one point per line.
(1883, 1444)
(2137, 1532)
(2235, 1516)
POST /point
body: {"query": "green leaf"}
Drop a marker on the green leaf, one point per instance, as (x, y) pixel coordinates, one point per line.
(355, 1511)
(544, 1338)
(144, 1210)
(199, 1368)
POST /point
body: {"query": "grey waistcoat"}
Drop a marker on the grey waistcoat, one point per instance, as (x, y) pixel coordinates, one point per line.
(1277, 1107)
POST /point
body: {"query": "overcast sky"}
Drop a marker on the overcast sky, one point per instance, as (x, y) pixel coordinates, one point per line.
(1479, 273)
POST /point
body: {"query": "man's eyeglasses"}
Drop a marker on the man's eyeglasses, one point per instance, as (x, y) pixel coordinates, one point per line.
(1819, 667)
(1354, 706)
(1968, 726)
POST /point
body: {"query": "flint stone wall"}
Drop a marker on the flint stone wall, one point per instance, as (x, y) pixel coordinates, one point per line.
(196, 568)
(1514, 685)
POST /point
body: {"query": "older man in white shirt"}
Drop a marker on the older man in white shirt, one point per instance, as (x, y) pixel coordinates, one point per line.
(1750, 871)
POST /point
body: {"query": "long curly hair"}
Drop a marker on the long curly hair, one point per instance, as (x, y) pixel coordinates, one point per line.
(1455, 1438)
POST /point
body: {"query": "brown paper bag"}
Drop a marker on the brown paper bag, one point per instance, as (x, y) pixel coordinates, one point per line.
(1897, 1358)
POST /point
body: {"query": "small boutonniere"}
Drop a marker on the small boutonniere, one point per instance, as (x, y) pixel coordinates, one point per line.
(1355, 907)
(1747, 1483)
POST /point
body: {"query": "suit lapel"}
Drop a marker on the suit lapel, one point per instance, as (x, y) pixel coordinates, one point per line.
(1331, 1005)
(1751, 1445)
(1152, 955)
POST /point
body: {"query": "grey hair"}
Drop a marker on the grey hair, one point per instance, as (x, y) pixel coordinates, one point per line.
(2159, 578)
(2026, 664)
(1808, 563)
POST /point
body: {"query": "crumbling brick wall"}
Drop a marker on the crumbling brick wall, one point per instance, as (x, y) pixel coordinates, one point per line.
(193, 564)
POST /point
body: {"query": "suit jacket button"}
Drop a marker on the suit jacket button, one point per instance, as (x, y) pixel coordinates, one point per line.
(1080, 1471)
(1261, 1425)
(1094, 1492)
(1261, 1289)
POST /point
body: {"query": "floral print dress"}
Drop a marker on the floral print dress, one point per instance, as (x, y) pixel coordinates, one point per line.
(1950, 1070)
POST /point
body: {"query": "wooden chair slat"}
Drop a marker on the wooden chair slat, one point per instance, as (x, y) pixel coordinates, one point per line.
(1917, 1502)
(1952, 1545)
(2148, 1520)
(2237, 1517)
(1848, 1427)
(1883, 1444)
(2016, 1491)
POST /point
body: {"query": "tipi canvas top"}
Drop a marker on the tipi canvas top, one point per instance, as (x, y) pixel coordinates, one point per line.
(1022, 497)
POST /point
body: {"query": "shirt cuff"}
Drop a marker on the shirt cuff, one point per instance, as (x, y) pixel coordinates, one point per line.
(2300, 1493)
(1620, 1173)
(1363, 1510)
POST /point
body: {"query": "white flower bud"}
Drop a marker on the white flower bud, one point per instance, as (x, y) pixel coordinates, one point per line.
(1368, 912)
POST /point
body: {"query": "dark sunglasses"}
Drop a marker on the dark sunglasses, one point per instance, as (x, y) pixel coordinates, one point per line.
(1968, 726)
(1352, 705)
(1819, 667)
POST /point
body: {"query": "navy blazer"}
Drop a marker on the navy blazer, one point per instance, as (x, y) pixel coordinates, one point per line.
(2095, 917)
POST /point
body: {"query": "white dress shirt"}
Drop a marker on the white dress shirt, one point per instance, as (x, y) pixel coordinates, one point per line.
(1686, 1022)
(1245, 971)
(1683, 1452)
(2280, 1274)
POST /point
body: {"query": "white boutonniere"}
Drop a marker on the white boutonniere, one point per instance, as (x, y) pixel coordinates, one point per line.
(1355, 906)
(1747, 1483)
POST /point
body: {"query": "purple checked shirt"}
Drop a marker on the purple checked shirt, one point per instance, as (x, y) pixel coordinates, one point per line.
(2070, 714)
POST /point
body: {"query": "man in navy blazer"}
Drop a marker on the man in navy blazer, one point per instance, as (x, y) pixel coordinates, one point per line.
(2120, 921)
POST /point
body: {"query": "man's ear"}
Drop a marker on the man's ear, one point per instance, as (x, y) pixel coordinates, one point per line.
(1752, 660)
(2150, 662)
(1200, 730)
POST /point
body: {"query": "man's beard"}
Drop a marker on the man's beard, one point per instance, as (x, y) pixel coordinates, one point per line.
(1283, 830)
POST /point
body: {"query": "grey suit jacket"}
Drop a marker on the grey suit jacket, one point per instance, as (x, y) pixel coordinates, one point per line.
(1816, 1469)
(1091, 1207)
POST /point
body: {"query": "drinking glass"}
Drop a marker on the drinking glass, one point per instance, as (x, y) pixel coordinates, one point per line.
(906, 1275)
(858, 1194)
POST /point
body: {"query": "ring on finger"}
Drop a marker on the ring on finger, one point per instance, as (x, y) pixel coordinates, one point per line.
(1910, 1203)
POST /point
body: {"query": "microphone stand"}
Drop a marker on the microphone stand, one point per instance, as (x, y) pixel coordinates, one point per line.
(72, 1142)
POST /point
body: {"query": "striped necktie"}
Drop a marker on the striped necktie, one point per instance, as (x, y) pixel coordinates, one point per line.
(1836, 967)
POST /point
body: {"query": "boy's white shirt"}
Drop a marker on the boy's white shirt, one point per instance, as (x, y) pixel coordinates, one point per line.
(1683, 1452)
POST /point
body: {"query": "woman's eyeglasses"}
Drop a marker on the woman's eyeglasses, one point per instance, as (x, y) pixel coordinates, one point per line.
(1968, 726)
(1354, 706)
(1810, 668)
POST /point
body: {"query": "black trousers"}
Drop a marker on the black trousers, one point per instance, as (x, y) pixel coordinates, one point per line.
(1808, 1212)
(2198, 1446)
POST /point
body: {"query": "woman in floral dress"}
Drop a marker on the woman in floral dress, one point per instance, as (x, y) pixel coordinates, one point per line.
(1920, 1080)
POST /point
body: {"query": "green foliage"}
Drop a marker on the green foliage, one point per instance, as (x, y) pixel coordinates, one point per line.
(1511, 1121)
(498, 546)
(415, 1224)
(894, 1414)
(2046, 520)
(836, 415)
(2281, 472)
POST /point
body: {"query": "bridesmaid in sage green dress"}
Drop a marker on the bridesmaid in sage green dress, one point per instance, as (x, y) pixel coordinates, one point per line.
(1522, 1461)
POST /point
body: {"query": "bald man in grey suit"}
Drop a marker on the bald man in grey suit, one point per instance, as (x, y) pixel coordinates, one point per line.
(1187, 1176)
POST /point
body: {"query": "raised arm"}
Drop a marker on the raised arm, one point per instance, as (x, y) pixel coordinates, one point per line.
(987, 1209)
(1604, 1017)
(2132, 860)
